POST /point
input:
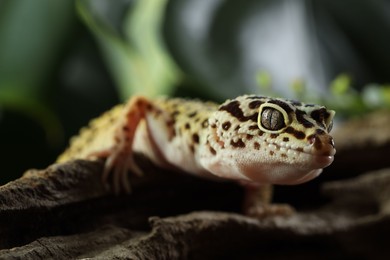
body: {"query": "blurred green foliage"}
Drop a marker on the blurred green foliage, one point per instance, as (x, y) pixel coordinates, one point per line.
(63, 62)
(136, 56)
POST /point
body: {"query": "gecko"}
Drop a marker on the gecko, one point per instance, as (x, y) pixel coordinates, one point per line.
(254, 140)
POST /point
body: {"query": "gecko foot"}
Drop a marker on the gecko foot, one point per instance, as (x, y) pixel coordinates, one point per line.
(116, 169)
(118, 166)
(271, 210)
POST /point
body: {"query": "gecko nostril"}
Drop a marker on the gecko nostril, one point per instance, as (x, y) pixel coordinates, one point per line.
(311, 139)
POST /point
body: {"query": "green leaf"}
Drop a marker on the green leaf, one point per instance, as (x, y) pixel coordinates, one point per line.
(138, 59)
(264, 81)
(340, 85)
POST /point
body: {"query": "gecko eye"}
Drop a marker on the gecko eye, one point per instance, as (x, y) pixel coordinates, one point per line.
(272, 118)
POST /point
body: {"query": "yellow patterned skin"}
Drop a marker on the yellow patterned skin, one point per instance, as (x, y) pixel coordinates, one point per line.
(251, 139)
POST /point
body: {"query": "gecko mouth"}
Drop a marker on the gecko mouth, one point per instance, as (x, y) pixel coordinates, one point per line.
(310, 148)
(315, 146)
(315, 158)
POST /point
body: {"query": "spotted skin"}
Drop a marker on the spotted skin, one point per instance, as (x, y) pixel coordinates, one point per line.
(254, 140)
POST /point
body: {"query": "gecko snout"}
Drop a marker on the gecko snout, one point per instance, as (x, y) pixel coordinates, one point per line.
(322, 144)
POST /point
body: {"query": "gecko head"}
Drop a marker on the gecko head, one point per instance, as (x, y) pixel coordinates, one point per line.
(270, 140)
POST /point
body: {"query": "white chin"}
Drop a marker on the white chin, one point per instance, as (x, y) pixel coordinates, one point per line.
(308, 177)
(320, 162)
(287, 174)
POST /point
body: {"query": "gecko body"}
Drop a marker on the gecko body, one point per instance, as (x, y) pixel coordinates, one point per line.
(250, 139)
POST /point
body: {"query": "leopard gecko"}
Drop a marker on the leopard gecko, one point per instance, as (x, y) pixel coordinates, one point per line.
(254, 140)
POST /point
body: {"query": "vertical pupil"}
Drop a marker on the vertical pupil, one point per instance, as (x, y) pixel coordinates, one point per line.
(272, 119)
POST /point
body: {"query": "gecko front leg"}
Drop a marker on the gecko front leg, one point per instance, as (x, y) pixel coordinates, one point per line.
(257, 202)
(120, 156)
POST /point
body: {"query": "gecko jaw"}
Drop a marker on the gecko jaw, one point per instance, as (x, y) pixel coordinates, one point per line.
(309, 149)
(312, 157)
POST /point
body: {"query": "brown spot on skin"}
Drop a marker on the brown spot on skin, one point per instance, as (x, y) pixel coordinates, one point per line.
(260, 133)
(271, 153)
(255, 104)
(303, 121)
(192, 149)
(286, 139)
(226, 125)
(296, 103)
(170, 123)
(171, 129)
(237, 127)
(192, 114)
(319, 115)
(175, 113)
(249, 137)
(282, 104)
(195, 138)
(213, 125)
(234, 109)
(320, 132)
(255, 97)
(253, 127)
(172, 134)
(149, 107)
(300, 149)
(256, 145)
(212, 151)
(238, 144)
(283, 155)
(297, 134)
(205, 123)
(187, 126)
(274, 135)
(125, 128)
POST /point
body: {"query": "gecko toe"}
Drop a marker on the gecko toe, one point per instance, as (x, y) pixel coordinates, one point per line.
(116, 179)
(125, 181)
(134, 168)
(108, 165)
